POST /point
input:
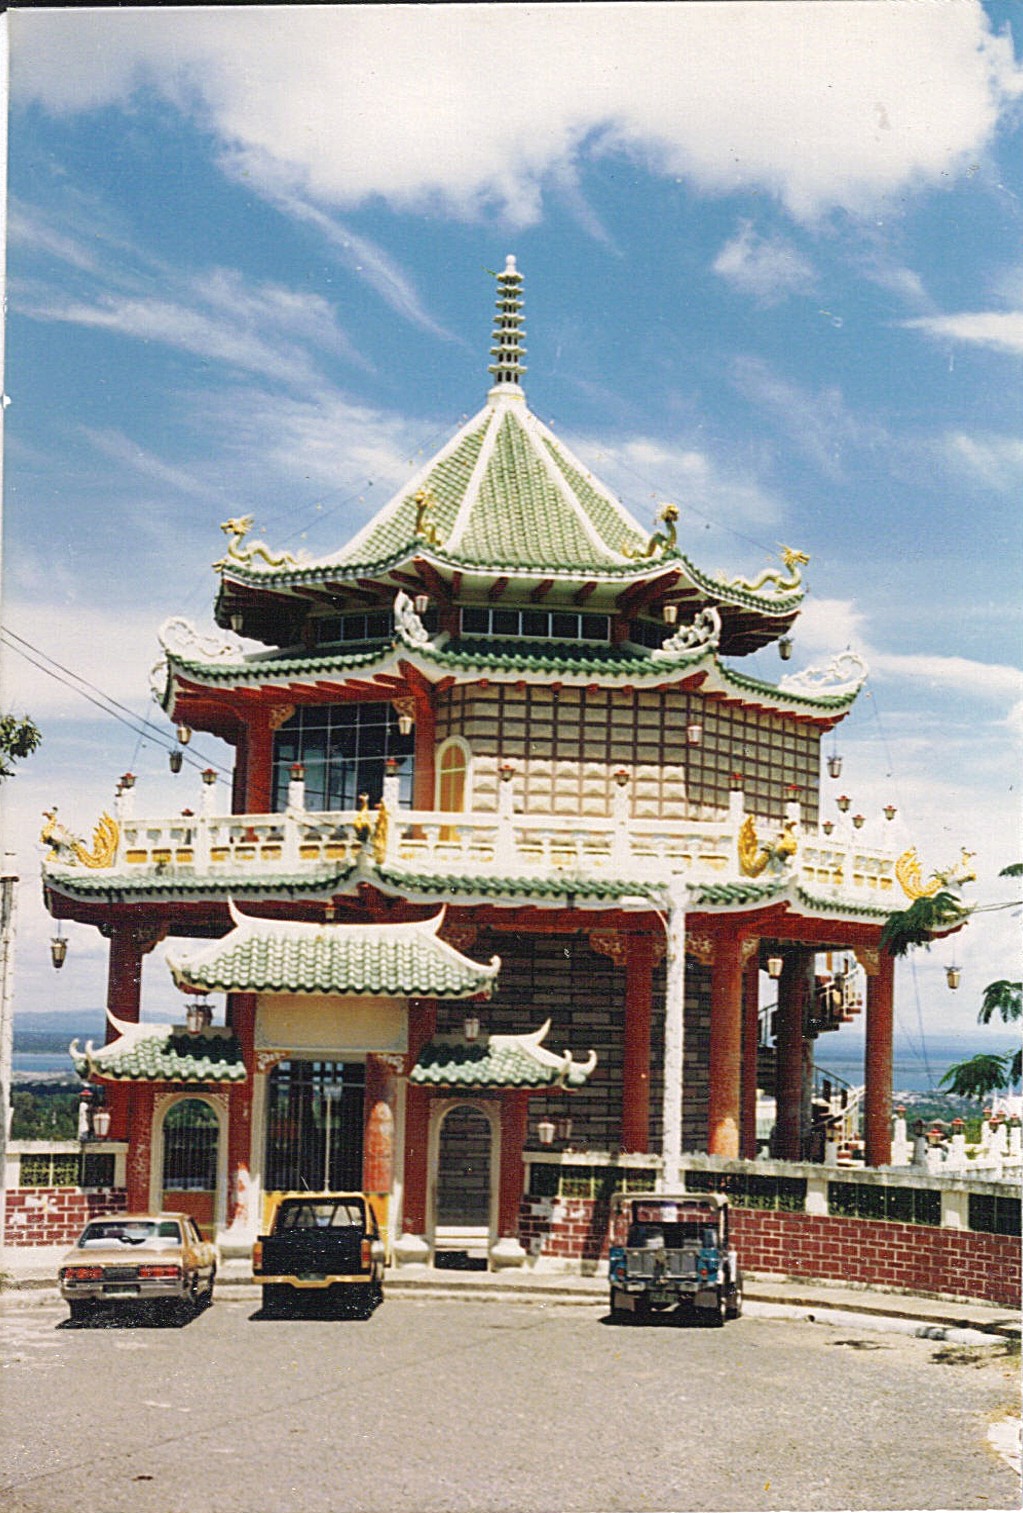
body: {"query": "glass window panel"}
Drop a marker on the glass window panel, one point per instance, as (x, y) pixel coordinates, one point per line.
(564, 626)
(504, 622)
(535, 622)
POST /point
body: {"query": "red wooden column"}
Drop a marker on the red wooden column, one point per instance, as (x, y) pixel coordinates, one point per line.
(139, 1133)
(793, 987)
(129, 943)
(639, 991)
(514, 1116)
(750, 1046)
(378, 1129)
(724, 1101)
(241, 1016)
(877, 1117)
(422, 1020)
(423, 780)
(259, 761)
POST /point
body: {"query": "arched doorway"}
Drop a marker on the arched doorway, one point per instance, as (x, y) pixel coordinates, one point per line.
(191, 1142)
(464, 1202)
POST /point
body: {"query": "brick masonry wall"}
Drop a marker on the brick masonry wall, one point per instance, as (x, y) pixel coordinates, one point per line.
(951, 1263)
(56, 1215)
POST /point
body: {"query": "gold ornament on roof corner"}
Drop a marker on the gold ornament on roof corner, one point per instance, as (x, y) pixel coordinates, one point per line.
(362, 824)
(236, 530)
(910, 874)
(425, 529)
(65, 847)
(792, 560)
(380, 830)
(754, 858)
(661, 542)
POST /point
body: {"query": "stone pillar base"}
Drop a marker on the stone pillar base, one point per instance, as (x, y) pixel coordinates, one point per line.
(411, 1250)
(506, 1252)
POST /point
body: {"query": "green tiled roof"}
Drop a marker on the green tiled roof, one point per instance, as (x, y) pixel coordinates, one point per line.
(499, 1061)
(346, 960)
(183, 882)
(549, 888)
(163, 1053)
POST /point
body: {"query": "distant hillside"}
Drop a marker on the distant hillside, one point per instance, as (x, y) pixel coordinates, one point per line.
(49, 1032)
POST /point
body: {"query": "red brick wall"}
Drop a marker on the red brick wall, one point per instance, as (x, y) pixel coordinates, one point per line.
(56, 1215)
(874, 1252)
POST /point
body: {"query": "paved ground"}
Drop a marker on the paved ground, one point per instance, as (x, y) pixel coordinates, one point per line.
(492, 1404)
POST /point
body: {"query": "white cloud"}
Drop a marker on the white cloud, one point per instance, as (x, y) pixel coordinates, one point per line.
(1001, 330)
(997, 461)
(818, 422)
(111, 649)
(769, 268)
(824, 105)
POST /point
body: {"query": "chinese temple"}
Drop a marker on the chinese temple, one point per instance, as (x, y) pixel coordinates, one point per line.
(513, 856)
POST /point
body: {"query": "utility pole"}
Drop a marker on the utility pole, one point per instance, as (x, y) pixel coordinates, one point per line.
(8, 883)
(8, 880)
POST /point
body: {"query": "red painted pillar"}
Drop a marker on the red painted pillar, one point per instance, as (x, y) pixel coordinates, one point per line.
(723, 1108)
(241, 1016)
(259, 764)
(514, 1117)
(639, 988)
(378, 1130)
(124, 975)
(793, 986)
(422, 1022)
(140, 1154)
(423, 780)
(877, 1119)
(750, 1046)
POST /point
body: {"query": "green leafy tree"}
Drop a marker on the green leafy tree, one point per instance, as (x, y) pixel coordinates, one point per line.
(978, 1075)
(18, 739)
(925, 918)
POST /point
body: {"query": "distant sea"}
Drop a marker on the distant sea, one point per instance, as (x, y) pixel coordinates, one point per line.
(38, 1064)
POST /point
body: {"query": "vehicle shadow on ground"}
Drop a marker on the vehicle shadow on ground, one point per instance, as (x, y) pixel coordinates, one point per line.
(313, 1312)
(140, 1316)
(668, 1318)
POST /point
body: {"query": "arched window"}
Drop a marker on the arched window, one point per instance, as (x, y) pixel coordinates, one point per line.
(453, 776)
(190, 1132)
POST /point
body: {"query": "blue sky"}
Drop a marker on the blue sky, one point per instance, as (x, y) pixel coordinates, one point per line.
(773, 272)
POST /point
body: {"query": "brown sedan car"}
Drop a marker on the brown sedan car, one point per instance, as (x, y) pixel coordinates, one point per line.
(138, 1258)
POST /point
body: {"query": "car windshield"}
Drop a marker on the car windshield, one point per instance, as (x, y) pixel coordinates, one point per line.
(147, 1234)
(322, 1214)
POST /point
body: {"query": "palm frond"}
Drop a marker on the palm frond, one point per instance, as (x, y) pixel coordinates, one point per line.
(1002, 998)
(921, 922)
(978, 1075)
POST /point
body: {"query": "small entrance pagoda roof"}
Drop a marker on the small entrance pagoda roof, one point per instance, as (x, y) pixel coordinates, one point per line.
(500, 1061)
(162, 1053)
(341, 960)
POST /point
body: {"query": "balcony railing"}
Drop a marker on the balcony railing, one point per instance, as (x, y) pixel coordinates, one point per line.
(499, 844)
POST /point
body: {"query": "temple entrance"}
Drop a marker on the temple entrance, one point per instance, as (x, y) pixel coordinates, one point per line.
(464, 1201)
(191, 1134)
(314, 1124)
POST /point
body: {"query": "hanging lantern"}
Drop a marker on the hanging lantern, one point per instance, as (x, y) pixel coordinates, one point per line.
(858, 821)
(127, 780)
(422, 603)
(101, 1123)
(834, 765)
(58, 949)
(828, 826)
(694, 733)
(545, 1131)
(175, 758)
(471, 1028)
(736, 782)
(774, 966)
(843, 801)
(209, 776)
(296, 772)
(952, 976)
(184, 734)
(563, 1128)
(506, 771)
(237, 620)
(785, 647)
(405, 709)
(669, 614)
(198, 1016)
(621, 776)
(890, 811)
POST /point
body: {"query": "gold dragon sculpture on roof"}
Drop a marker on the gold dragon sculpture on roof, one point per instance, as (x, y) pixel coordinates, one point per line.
(236, 530)
(754, 858)
(910, 874)
(784, 582)
(65, 847)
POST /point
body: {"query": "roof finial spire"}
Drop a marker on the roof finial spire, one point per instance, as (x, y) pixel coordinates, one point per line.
(508, 350)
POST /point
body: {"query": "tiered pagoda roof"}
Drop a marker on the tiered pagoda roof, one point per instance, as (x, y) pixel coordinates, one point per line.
(503, 509)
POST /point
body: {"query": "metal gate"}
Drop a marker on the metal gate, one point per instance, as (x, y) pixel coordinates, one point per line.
(190, 1147)
(314, 1126)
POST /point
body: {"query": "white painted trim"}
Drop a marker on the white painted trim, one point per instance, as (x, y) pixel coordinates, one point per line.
(490, 1108)
(473, 487)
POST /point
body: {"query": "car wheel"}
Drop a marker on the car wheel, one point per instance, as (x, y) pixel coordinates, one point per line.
(276, 1297)
(734, 1309)
(80, 1309)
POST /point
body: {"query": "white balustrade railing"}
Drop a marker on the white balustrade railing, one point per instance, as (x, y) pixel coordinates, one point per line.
(498, 843)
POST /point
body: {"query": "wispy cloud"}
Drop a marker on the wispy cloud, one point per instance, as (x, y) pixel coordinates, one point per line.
(999, 330)
(995, 461)
(412, 103)
(818, 422)
(769, 268)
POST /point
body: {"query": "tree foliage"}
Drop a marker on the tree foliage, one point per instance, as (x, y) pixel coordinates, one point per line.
(925, 918)
(18, 739)
(979, 1075)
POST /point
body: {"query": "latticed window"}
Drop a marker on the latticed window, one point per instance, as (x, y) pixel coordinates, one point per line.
(314, 1126)
(344, 749)
(190, 1147)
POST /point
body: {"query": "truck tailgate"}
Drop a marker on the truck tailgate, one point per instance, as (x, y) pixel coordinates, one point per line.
(313, 1252)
